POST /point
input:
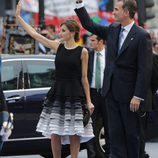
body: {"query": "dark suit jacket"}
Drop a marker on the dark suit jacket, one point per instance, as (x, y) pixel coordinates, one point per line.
(154, 80)
(128, 74)
(3, 105)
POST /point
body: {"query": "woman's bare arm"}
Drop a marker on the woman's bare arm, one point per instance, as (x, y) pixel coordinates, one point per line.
(84, 59)
(52, 44)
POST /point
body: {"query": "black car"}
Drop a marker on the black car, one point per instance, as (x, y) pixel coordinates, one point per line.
(26, 80)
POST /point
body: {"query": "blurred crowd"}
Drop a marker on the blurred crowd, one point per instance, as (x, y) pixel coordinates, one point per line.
(9, 25)
(154, 37)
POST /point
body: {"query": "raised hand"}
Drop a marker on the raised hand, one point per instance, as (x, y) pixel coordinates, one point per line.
(18, 9)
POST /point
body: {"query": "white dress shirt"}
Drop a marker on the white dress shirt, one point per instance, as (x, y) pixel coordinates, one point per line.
(125, 32)
(102, 64)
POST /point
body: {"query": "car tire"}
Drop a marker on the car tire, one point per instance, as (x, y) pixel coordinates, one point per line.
(99, 139)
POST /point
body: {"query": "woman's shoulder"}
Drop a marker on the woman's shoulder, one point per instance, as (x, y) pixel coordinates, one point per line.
(84, 53)
(61, 46)
(84, 50)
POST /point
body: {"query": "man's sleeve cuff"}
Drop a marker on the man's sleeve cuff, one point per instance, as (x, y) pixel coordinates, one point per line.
(79, 5)
(139, 98)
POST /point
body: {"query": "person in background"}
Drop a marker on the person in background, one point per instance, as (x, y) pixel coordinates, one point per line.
(2, 44)
(61, 119)
(51, 31)
(1, 49)
(97, 55)
(155, 48)
(150, 98)
(86, 41)
(127, 75)
(154, 83)
(41, 48)
(4, 115)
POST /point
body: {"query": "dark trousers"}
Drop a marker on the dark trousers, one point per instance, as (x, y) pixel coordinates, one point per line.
(1, 143)
(124, 130)
(99, 111)
(143, 125)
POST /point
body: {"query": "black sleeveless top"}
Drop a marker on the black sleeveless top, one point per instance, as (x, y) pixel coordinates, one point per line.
(68, 73)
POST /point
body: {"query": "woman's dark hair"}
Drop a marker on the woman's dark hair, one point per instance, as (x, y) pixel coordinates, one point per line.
(131, 6)
(73, 26)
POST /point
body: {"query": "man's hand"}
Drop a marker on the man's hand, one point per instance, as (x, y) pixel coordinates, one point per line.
(134, 104)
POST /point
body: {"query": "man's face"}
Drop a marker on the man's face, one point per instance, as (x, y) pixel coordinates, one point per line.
(119, 12)
(50, 30)
(94, 42)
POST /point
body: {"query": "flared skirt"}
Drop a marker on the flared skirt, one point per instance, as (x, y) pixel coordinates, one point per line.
(64, 119)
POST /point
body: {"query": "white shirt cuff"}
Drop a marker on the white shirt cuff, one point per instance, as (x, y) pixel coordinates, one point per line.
(139, 98)
(79, 5)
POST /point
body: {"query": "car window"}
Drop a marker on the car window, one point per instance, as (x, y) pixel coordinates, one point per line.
(11, 71)
(41, 73)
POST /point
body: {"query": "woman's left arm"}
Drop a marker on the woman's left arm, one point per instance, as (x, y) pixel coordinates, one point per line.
(84, 59)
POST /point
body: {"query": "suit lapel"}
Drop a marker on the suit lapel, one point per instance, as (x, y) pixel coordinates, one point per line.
(115, 40)
(130, 37)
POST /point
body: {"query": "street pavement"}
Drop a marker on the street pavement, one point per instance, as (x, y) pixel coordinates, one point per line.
(151, 149)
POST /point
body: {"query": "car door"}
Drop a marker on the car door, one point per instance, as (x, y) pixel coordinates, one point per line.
(12, 84)
(39, 76)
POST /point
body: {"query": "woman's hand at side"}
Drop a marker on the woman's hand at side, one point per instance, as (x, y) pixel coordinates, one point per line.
(90, 107)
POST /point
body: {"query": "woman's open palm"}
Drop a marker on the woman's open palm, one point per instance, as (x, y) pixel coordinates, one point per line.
(18, 9)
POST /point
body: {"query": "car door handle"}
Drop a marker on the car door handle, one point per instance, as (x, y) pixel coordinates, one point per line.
(13, 99)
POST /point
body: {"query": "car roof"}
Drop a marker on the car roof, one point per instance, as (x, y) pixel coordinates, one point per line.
(18, 56)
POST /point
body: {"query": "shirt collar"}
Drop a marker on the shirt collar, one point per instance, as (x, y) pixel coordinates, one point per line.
(102, 52)
(128, 27)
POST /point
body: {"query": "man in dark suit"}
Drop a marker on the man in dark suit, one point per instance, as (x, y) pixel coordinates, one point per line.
(155, 68)
(3, 109)
(3, 114)
(97, 51)
(126, 77)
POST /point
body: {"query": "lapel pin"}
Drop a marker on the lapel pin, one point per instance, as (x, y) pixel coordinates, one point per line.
(131, 39)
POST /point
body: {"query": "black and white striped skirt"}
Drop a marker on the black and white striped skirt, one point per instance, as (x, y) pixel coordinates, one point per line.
(64, 119)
